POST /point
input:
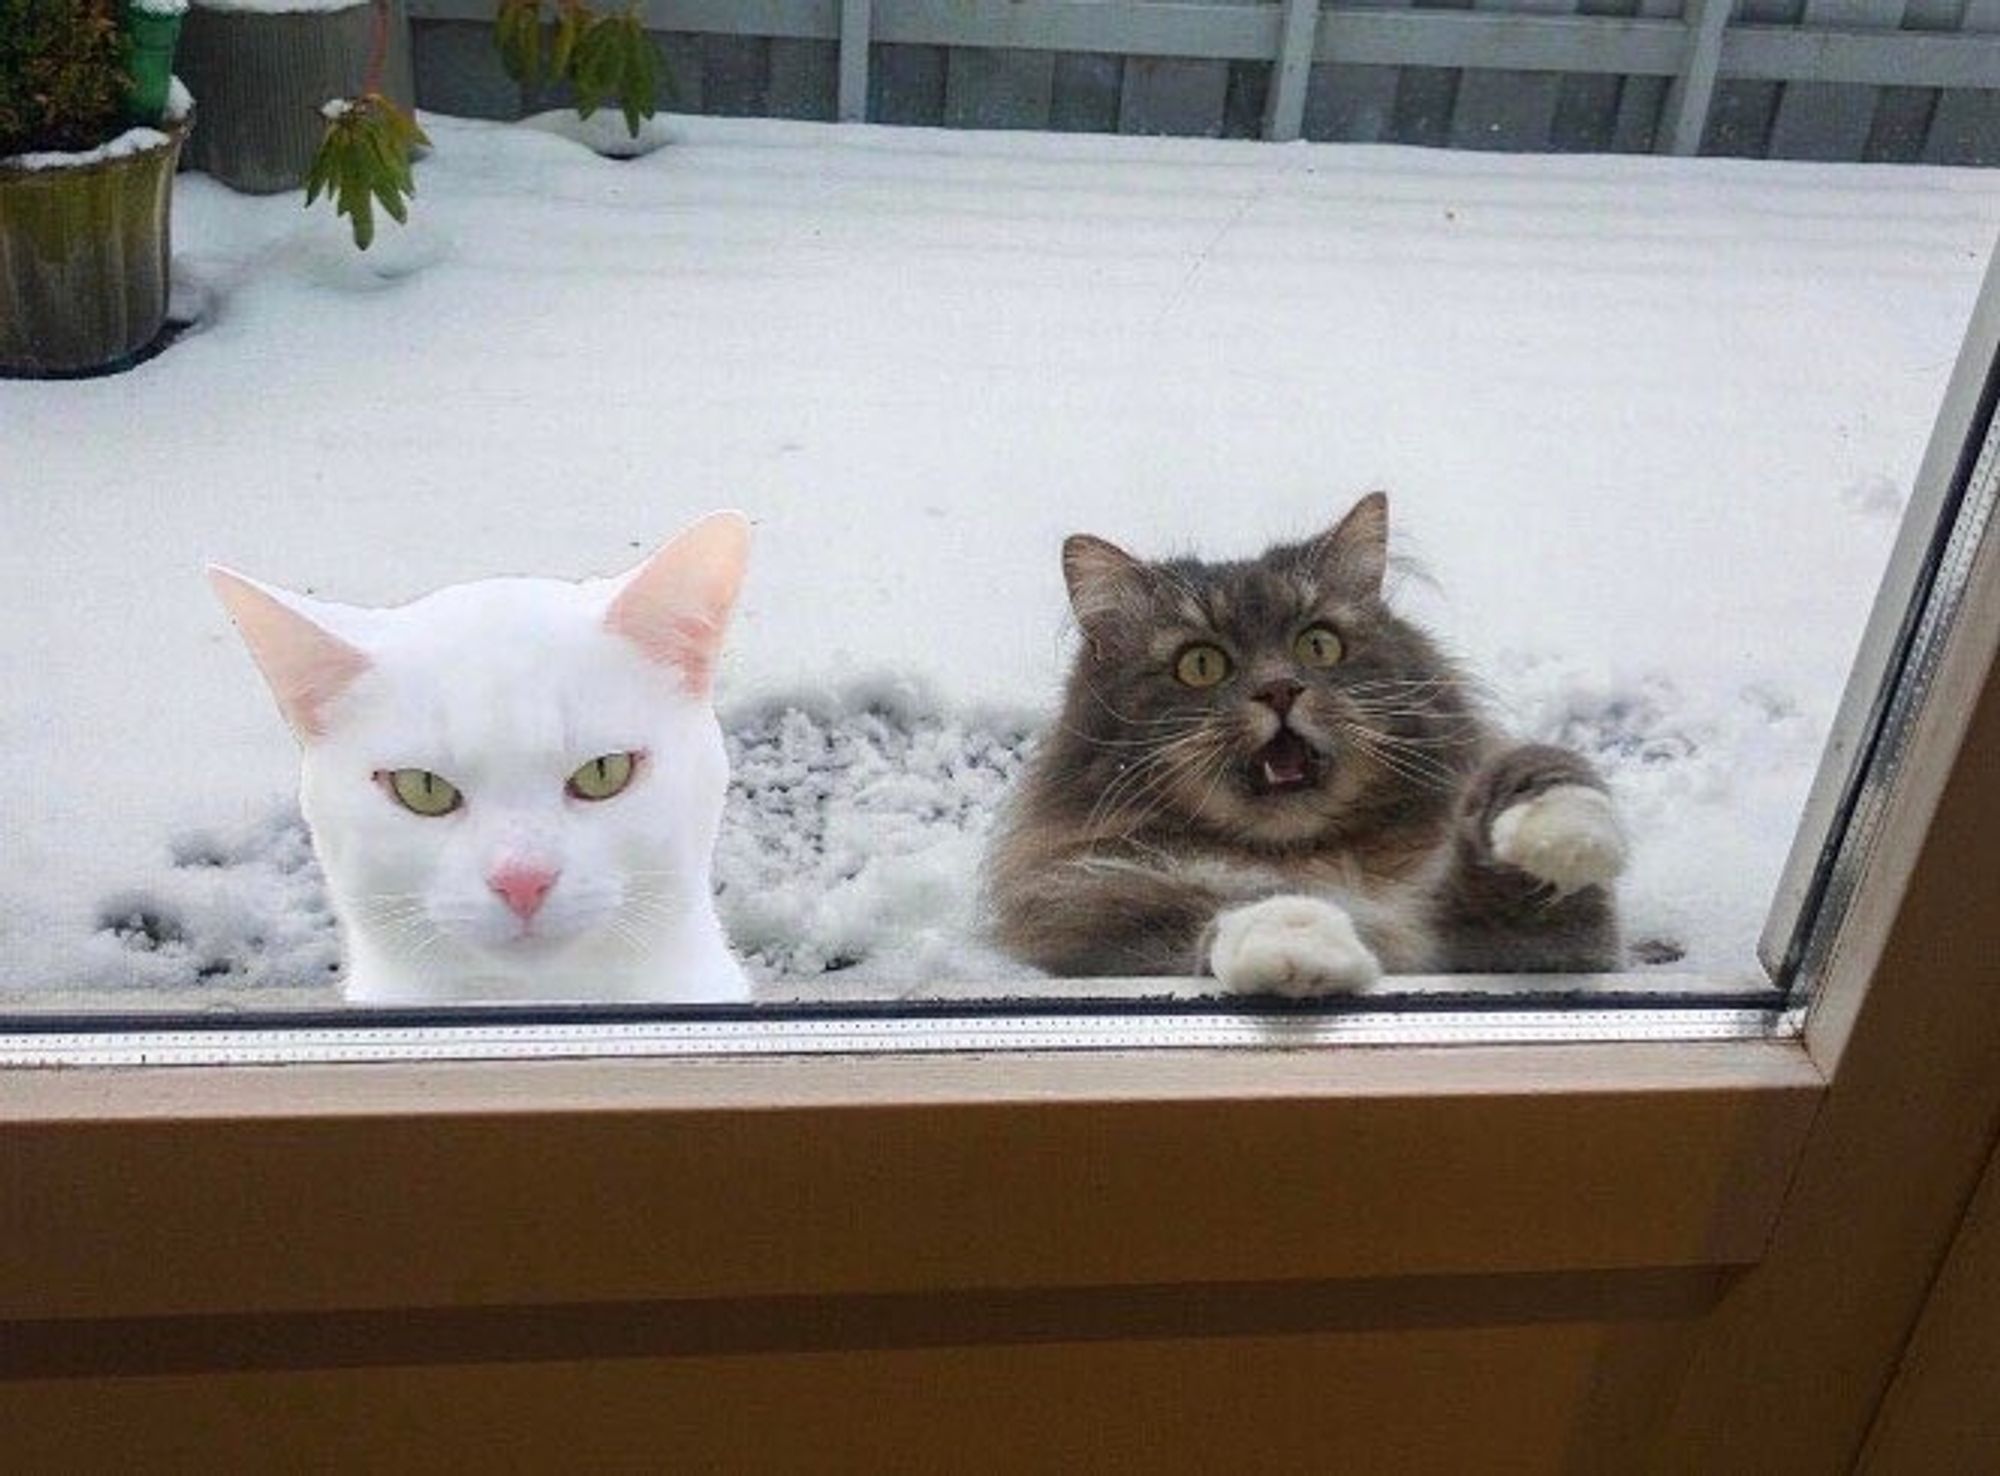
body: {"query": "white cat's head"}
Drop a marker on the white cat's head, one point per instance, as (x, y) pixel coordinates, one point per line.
(514, 781)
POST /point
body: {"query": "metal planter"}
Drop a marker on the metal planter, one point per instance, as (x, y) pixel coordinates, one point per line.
(262, 77)
(85, 258)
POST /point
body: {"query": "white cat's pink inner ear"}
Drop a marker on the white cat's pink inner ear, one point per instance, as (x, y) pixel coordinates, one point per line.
(675, 607)
(305, 665)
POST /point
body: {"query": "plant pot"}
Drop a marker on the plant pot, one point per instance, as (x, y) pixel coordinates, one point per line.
(85, 255)
(262, 77)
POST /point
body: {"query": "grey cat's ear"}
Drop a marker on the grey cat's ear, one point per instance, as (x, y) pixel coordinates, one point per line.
(1105, 582)
(675, 606)
(306, 665)
(1354, 554)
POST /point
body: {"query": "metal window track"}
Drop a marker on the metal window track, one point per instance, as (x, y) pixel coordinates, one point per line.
(778, 1032)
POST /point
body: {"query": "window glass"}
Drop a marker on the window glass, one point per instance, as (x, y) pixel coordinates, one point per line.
(1646, 427)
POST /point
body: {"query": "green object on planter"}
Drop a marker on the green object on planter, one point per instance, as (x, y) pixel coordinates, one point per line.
(153, 36)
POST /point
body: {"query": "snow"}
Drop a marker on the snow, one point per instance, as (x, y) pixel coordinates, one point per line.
(161, 7)
(1647, 425)
(604, 131)
(131, 141)
(277, 7)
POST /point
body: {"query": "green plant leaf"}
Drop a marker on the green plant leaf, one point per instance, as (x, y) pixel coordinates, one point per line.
(571, 19)
(517, 30)
(365, 158)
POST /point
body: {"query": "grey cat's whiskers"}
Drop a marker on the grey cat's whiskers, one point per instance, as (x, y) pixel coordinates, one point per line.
(1152, 775)
(1156, 793)
(1137, 722)
(1408, 767)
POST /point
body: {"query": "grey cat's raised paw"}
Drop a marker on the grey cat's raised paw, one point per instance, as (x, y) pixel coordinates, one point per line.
(1290, 945)
(1567, 837)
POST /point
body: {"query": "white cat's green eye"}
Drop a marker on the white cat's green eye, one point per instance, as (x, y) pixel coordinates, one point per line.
(1201, 666)
(1318, 645)
(604, 776)
(423, 793)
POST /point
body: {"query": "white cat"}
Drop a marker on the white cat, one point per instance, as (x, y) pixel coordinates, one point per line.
(514, 785)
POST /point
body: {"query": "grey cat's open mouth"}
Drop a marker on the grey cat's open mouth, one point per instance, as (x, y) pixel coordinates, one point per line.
(1284, 765)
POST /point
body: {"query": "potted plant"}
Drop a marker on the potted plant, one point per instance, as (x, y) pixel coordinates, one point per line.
(91, 129)
(599, 58)
(263, 68)
(364, 155)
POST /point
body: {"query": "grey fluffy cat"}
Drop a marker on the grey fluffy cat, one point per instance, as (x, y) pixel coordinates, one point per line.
(1262, 772)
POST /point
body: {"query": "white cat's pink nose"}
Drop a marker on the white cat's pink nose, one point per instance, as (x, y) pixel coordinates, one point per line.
(522, 888)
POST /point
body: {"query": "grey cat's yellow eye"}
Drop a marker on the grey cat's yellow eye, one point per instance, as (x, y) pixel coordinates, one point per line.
(603, 777)
(423, 793)
(1201, 666)
(1318, 646)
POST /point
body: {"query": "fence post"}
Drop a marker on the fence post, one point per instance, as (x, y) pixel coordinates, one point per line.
(851, 103)
(1684, 117)
(1291, 73)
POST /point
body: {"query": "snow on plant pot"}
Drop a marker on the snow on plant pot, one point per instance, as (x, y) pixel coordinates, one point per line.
(86, 185)
(263, 68)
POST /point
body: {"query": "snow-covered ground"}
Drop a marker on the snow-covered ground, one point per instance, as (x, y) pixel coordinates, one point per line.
(1647, 424)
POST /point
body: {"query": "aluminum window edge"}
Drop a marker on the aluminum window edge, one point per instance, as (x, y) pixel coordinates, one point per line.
(1916, 609)
(934, 1034)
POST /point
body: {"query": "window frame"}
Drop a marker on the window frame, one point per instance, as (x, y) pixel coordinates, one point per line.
(238, 1208)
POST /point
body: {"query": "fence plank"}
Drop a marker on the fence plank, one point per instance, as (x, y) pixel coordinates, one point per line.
(1965, 129)
(989, 88)
(1084, 98)
(1831, 120)
(735, 75)
(851, 99)
(459, 71)
(1642, 100)
(1586, 114)
(1508, 110)
(805, 79)
(906, 85)
(1903, 114)
(1352, 101)
(1284, 114)
(1169, 94)
(1427, 95)
(1687, 116)
(1739, 117)
(681, 82)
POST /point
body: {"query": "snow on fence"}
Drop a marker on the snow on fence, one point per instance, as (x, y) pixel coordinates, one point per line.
(1880, 80)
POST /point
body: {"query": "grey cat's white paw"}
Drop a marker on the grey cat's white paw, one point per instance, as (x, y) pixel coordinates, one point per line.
(1290, 945)
(1568, 837)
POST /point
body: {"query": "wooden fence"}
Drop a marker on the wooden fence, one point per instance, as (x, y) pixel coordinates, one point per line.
(1872, 80)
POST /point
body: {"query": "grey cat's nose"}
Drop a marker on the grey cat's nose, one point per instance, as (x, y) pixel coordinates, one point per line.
(1279, 696)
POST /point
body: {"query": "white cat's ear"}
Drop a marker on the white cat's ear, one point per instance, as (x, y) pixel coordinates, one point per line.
(306, 665)
(675, 606)
(1105, 582)
(1355, 554)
